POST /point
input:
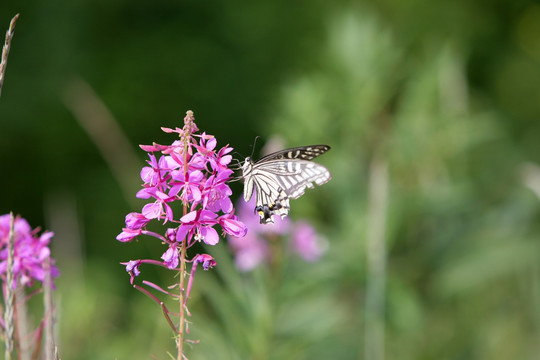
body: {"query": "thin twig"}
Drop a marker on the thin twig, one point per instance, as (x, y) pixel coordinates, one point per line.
(5, 50)
(8, 315)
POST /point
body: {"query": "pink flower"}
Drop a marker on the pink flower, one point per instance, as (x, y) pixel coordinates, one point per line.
(188, 184)
(306, 242)
(199, 224)
(170, 257)
(206, 260)
(136, 221)
(133, 266)
(128, 234)
(233, 226)
(249, 252)
(159, 208)
(253, 249)
(30, 252)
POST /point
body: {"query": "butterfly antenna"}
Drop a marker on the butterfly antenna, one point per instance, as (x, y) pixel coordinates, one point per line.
(253, 147)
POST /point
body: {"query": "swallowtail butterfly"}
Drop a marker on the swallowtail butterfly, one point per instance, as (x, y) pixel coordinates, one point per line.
(282, 175)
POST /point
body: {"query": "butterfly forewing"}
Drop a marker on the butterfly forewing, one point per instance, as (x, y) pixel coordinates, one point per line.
(300, 153)
(282, 175)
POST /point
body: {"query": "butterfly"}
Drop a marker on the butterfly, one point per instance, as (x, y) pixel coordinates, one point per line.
(281, 176)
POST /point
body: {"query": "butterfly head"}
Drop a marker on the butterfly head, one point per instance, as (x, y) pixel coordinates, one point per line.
(247, 166)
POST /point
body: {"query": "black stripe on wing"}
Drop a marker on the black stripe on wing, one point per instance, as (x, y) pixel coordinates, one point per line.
(301, 153)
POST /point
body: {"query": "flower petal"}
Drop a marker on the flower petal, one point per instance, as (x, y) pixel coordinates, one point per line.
(189, 217)
(152, 210)
(210, 236)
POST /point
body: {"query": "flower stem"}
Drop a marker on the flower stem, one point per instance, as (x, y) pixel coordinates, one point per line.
(186, 136)
(181, 300)
(8, 292)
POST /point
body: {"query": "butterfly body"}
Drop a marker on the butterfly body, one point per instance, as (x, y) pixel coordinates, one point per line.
(280, 176)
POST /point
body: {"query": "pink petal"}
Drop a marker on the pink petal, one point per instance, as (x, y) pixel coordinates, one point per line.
(189, 217)
(225, 160)
(128, 235)
(196, 193)
(207, 215)
(195, 176)
(226, 205)
(182, 232)
(152, 210)
(210, 236)
(147, 173)
(211, 144)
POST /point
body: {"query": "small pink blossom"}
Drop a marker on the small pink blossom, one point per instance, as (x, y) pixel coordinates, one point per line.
(30, 252)
(128, 234)
(170, 257)
(198, 225)
(253, 249)
(206, 260)
(233, 226)
(136, 221)
(306, 242)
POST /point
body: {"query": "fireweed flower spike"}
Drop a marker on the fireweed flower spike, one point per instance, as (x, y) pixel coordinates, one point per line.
(25, 264)
(31, 251)
(186, 185)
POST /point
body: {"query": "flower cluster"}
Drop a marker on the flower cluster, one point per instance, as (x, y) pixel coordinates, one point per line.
(254, 249)
(192, 174)
(30, 252)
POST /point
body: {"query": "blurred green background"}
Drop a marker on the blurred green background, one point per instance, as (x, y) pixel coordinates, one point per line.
(431, 108)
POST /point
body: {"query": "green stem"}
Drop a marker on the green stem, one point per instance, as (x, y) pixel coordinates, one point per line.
(9, 300)
(186, 136)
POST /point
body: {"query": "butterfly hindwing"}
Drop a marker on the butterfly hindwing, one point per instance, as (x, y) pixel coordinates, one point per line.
(293, 176)
(282, 175)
